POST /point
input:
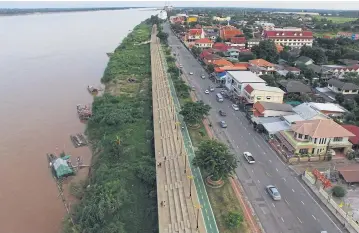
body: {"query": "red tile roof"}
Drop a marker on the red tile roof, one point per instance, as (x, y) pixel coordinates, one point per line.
(228, 32)
(218, 45)
(238, 40)
(354, 130)
(288, 34)
(204, 41)
(261, 63)
(194, 32)
(205, 53)
(222, 62)
(249, 89)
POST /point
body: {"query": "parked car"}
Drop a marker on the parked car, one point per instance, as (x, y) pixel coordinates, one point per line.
(222, 113)
(273, 192)
(249, 157)
(190, 73)
(235, 107)
(181, 66)
(206, 92)
(223, 124)
(211, 88)
(203, 76)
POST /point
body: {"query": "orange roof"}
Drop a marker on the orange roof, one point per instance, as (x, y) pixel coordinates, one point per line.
(321, 128)
(228, 32)
(204, 41)
(260, 62)
(241, 65)
(228, 68)
(222, 62)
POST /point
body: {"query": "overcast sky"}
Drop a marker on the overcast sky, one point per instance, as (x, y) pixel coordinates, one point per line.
(332, 5)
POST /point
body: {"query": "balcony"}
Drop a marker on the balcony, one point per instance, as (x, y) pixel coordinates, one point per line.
(289, 136)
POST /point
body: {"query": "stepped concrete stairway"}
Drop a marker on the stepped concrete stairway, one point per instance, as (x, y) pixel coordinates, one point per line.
(176, 211)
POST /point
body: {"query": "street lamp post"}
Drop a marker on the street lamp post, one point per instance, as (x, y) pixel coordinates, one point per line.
(190, 185)
(185, 164)
(198, 207)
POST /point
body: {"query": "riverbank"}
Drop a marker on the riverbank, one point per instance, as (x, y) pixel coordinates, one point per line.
(120, 195)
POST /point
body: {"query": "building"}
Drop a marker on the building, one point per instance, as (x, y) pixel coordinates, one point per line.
(192, 18)
(283, 70)
(349, 35)
(303, 61)
(221, 62)
(238, 41)
(291, 38)
(211, 34)
(329, 109)
(203, 43)
(227, 32)
(254, 93)
(232, 52)
(315, 137)
(294, 86)
(306, 112)
(338, 86)
(252, 42)
(237, 80)
(261, 66)
(209, 58)
(339, 71)
(354, 130)
(220, 19)
(265, 25)
(195, 34)
(221, 72)
(269, 109)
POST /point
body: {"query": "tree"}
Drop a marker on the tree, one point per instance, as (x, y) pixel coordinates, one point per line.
(210, 68)
(317, 54)
(214, 157)
(196, 51)
(269, 79)
(339, 98)
(193, 112)
(163, 37)
(219, 39)
(266, 50)
(290, 75)
(338, 191)
(233, 220)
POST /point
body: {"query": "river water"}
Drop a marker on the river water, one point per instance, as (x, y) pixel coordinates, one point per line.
(46, 63)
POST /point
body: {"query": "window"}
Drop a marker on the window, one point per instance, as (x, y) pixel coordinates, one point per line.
(315, 140)
(303, 151)
(339, 89)
(300, 135)
(338, 139)
(306, 136)
(259, 98)
(330, 85)
(347, 91)
(268, 97)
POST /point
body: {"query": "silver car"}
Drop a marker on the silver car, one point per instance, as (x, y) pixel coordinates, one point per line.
(223, 124)
(273, 192)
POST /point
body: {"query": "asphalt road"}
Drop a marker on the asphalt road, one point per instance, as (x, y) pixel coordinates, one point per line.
(298, 211)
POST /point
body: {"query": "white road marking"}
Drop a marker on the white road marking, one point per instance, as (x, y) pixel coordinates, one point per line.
(259, 181)
(276, 169)
(273, 205)
(314, 217)
(282, 219)
(286, 201)
(293, 190)
(202, 196)
(208, 217)
(299, 220)
(252, 170)
(210, 226)
(270, 161)
(302, 202)
(284, 180)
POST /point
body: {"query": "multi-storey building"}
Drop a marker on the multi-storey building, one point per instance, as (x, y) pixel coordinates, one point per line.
(292, 37)
(195, 34)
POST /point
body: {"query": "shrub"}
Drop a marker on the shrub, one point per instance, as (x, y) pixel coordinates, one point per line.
(233, 220)
(338, 191)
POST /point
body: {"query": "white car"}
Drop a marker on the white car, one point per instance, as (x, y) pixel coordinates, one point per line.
(206, 92)
(203, 76)
(181, 66)
(190, 73)
(249, 157)
(235, 107)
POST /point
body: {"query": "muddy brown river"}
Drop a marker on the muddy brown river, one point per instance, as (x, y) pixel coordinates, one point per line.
(46, 63)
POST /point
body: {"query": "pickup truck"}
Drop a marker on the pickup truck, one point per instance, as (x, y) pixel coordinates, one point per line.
(249, 157)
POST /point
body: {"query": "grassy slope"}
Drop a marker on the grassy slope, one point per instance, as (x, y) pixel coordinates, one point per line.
(122, 195)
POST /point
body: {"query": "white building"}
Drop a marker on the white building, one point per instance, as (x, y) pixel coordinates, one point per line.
(291, 37)
(237, 80)
(221, 19)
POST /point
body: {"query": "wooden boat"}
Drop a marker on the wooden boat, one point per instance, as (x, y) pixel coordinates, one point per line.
(84, 112)
(78, 140)
(92, 89)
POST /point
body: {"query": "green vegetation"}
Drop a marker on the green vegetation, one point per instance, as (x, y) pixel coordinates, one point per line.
(194, 112)
(266, 50)
(215, 159)
(121, 196)
(338, 191)
(336, 19)
(234, 220)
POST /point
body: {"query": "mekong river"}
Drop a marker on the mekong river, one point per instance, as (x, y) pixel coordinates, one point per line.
(46, 63)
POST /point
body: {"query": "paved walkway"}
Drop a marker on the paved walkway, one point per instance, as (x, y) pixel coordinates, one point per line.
(176, 211)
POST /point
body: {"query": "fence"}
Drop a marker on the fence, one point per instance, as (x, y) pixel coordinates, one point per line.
(344, 217)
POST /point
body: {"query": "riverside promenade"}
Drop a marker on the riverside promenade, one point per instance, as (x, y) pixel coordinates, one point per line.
(178, 206)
